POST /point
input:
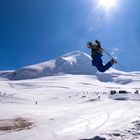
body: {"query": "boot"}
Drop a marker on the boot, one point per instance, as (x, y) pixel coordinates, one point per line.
(113, 61)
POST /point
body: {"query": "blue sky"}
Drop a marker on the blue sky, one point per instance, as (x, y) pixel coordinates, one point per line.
(34, 31)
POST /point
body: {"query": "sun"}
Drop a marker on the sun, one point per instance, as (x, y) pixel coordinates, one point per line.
(107, 4)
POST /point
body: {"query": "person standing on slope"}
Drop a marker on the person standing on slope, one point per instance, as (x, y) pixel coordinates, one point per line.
(96, 54)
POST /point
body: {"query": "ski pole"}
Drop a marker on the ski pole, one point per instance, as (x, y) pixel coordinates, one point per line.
(113, 58)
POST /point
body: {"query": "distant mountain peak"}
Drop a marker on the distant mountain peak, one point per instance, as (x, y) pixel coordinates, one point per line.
(75, 62)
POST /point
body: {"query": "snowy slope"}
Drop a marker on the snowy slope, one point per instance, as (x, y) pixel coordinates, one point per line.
(72, 63)
(68, 100)
(67, 107)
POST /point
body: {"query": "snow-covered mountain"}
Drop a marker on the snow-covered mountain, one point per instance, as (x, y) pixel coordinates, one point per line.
(72, 106)
(72, 63)
(76, 62)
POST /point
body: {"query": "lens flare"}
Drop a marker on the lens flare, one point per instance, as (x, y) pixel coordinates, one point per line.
(107, 4)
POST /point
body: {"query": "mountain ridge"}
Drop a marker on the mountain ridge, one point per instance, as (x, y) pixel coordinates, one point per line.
(77, 63)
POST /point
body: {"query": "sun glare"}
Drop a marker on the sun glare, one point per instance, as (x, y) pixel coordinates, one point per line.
(107, 4)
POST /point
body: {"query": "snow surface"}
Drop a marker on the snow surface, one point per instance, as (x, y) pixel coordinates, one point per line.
(68, 107)
(68, 99)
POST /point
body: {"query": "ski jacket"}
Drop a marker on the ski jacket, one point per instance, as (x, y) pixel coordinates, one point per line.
(95, 48)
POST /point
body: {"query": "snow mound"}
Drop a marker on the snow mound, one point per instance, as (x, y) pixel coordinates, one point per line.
(130, 132)
(120, 77)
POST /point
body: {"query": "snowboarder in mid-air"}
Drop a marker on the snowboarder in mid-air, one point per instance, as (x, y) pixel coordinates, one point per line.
(96, 54)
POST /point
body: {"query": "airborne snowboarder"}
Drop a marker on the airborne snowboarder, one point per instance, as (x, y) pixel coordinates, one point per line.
(96, 54)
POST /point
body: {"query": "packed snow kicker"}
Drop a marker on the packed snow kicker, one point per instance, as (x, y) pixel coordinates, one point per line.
(68, 99)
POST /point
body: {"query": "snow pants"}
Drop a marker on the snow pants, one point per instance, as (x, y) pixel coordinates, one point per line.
(98, 63)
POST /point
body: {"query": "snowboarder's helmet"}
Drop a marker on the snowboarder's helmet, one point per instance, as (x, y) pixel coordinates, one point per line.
(96, 41)
(89, 44)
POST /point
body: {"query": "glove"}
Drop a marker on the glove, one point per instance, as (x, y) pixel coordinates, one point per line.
(96, 41)
(99, 45)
